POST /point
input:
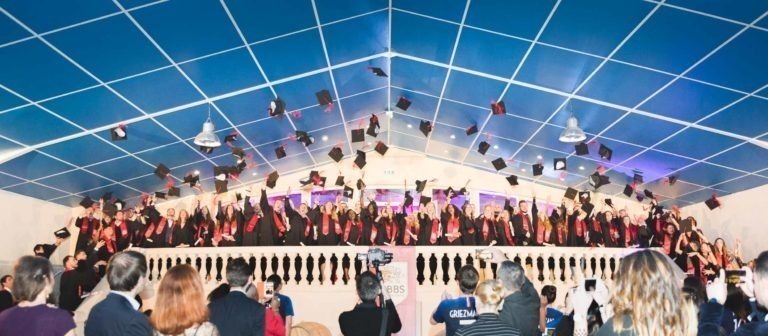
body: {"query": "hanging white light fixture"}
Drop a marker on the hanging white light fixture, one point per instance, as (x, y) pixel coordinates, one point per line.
(572, 132)
(207, 137)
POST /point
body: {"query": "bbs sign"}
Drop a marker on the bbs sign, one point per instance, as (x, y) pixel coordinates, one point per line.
(395, 276)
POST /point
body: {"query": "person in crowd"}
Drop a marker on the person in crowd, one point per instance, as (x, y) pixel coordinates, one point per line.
(549, 316)
(205, 226)
(77, 281)
(460, 311)
(160, 233)
(521, 304)
(180, 307)
(251, 220)
(33, 282)
(505, 233)
(647, 300)
(367, 319)
(467, 221)
(327, 224)
(486, 229)
(450, 218)
(368, 216)
(429, 225)
(218, 292)
(489, 296)
(6, 298)
(300, 230)
(272, 229)
(284, 302)
(720, 251)
(754, 285)
(389, 226)
(353, 229)
(236, 313)
(87, 223)
(118, 313)
(46, 250)
(182, 232)
(524, 225)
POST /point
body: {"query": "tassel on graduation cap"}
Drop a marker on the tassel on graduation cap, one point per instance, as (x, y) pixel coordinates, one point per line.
(119, 133)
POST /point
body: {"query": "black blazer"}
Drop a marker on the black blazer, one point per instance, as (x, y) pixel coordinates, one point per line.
(365, 320)
(115, 316)
(237, 315)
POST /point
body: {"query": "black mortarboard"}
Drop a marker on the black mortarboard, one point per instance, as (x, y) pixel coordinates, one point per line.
(232, 137)
(472, 129)
(305, 138)
(324, 97)
(596, 180)
(360, 159)
(173, 191)
(605, 152)
(538, 169)
(160, 194)
(403, 103)
(499, 164)
(628, 190)
(423, 200)
(280, 152)
(119, 133)
(272, 179)
(206, 150)
(358, 135)
(637, 178)
(109, 208)
(373, 126)
(340, 181)
(221, 186)
(238, 152)
(425, 127)
(62, 233)
(659, 210)
(560, 164)
(372, 131)
(498, 108)
(348, 192)
(512, 179)
(587, 207)
(378, 72)
(238, 197)
(582, 149)
(381, 148)
(220, 173)
(648, 193)
(360, 184)
(107, 197)
(162, 171)
(336, 154)
(712, 203)
(672, 180)
(408, 199)
(276, 107)
(483, 147)
(87, 202)
(584, 197)
(608, 202)
(420, 185)
(571, 193)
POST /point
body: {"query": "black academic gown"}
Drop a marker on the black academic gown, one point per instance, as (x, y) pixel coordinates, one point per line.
(86, 226)
(445, 217)
(368, 218)
(328, 229)
(353, 232)
(504, 234)
(251, 223)
(301, 230)
(272, 230)
(426, 227)
(488, 226)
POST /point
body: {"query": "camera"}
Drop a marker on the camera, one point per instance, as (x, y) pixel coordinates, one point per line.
(376, 257)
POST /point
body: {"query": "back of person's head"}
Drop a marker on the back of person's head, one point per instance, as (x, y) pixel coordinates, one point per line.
(238, 272)
(694, 290)
(180, 301)
(467, 278)
(218, 292)
(368, 286)
(489, 293)
(646, 289)
(761, 278)
(511, 275)
(549, 292)
(275, 280)
(31, 276)
(125, 270)
(737, 302)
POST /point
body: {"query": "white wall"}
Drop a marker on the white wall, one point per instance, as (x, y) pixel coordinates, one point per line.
(740, 216)
(28, 221)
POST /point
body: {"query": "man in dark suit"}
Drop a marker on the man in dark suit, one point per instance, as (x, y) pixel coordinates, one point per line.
(366, 318)
(118, 313)
(236, 314)
(525, 225)
(6, 298)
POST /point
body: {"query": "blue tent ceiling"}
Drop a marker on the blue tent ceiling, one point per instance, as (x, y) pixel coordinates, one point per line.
(674, 88)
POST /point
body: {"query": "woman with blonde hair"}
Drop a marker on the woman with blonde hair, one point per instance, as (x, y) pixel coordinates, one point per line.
(489, 295)
(180, 307)
(647, 299)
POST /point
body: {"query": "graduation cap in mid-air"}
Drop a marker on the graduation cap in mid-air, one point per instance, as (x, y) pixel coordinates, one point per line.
(336, 154)
(162, 171)
(378, 72)
(119, 133)
(403, 103)
(276, 107)
(498, 108)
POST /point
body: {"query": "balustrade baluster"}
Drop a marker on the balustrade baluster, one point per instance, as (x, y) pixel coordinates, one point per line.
(151, 268)
(297, 263)
(334, 268)
(286, 268)
(445, 264)
(310, 266)
(345, 263)
(274, 263)
(432, 268)
(219, 266)
(321, 268)
(420, 269)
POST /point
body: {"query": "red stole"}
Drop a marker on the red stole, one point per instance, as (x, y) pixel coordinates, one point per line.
(123, 229)
(279, 223)
(346, 230)
(216, 235)
(667, 245)
(252, 223)
(326, 224)
(526, 222)
(85, 224)
(453, 228)
(485, 229)
(540, 233)
(226, 228)
(160, 226)
(612, 232)
(581, 226)
(391, 230)
(406, 236)
(560, 235)
(374, 231)
(434, 234)
(507, 233)
(307, 227)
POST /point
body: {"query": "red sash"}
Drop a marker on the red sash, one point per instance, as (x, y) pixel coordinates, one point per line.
(392, 228)
(326, 226)
(279, 224)
(540, 233)
(216, 235)
(526, 222)
(507, 233)
(85, 224)
(374, 231)
(485, 229)
(252, 223)
(433, 235)
(580, 227)
(560, 235)
(226, 228)
(453, 224)
(406, 236)
(123, 229)
(346, 230)
(159, 228)
(307, 227)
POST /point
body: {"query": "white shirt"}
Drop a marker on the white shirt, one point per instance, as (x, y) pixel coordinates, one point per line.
(132, 301)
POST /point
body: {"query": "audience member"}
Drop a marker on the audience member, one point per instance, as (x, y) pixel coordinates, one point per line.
(77, 282)
(460, 311)
(46, 250)
(522, 303)
(33, 282)
(180, 307)
(118, 313)
(285, 303)
(488, 298)
(6, 298)
(236, 313)
(549, 316)
(366, 319)
(754, 285)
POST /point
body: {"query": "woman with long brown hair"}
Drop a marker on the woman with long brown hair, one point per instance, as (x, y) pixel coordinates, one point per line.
(327, 224)
(647, 299)
(180, 307)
